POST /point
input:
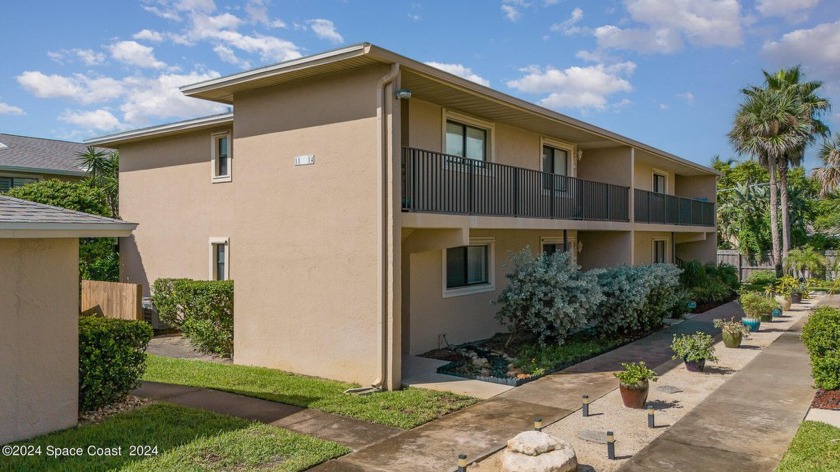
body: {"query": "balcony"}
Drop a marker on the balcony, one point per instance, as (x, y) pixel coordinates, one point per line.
(669, 209)
(440, 183)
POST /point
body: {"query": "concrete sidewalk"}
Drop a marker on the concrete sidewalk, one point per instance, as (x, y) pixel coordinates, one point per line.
(748, 423)
(484, 428)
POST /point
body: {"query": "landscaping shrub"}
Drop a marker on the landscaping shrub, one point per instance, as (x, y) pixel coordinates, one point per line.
(709, 283)
(762, 278)
(201, 309)
(547, 296)
(625, 291)
(728, 275)
(693, 274)
(112, 359)
(821, 335)
(663, 282)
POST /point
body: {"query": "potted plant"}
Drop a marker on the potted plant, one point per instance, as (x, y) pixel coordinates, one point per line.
(733, 331)
(695, 349)
(633, 383)
(792, 288)
(757, 308)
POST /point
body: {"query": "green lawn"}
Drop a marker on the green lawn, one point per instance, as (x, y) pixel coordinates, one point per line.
(402, 409)
(816, 447)
(186, 440)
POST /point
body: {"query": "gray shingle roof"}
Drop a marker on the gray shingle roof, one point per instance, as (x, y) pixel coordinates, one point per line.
(16, 211)
(46, 155)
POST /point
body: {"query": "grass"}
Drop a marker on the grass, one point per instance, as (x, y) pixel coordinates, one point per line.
(186, 440)
(816, 447)
(401, 409)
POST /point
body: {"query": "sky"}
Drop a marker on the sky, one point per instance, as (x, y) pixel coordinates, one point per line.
(664, 72)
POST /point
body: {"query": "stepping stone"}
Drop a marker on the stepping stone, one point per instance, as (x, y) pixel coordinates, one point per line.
(668, 389)
(598, 437)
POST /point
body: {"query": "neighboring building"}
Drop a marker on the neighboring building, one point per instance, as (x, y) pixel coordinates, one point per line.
(39, 312)
(361, 224)
(24, 160)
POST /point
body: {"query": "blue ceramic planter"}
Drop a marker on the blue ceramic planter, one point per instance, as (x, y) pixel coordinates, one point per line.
(751, 324)
(777, 312)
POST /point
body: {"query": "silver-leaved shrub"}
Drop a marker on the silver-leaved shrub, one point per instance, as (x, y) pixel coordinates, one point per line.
(547, 296)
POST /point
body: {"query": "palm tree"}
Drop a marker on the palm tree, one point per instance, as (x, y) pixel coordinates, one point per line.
(103, 171)
(810, 107)
(828, 175)
(766, 126)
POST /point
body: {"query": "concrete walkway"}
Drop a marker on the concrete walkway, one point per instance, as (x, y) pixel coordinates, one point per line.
(353, 433)
(485, 428)
(177, 346)
(748, 423)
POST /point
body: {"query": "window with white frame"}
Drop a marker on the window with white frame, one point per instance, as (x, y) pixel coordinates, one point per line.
(660, 183)
(221, 156)
(555, 161)
(551, 245)
(659, 251)
(468, 269)
(219, 258)
(467, 137)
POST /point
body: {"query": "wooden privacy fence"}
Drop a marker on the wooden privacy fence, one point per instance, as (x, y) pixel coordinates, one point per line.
(746, 267)
(112, 299)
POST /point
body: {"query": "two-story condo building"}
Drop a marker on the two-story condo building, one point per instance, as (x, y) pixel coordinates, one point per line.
(365, 203)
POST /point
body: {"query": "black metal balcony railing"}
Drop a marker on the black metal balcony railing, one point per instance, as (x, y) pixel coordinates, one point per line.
(440, 183)
(669, 209)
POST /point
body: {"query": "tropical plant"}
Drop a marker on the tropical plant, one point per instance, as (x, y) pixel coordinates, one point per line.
(731, 326)
(828, 175)
(635, 373)
(805, 262)
(789, 284)
(755, 304)
(694, 347)
(103, 172)
(547, 296)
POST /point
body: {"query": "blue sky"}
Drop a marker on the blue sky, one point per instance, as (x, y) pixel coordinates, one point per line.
(664, 72)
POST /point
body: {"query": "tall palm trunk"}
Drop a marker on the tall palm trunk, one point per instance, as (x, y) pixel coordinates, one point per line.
(785, 209)
(774, 216)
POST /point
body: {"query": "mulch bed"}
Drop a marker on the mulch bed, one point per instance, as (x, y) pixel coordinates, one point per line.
(826, 400)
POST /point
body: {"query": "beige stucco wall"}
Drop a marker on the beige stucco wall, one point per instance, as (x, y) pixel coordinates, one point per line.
(510, 145)
(605, 249)
(39, 309)
(609, 165)
(704, 250)
(697, 186)
(165, 186)
(467, 317)
(643, 175)
(306, 238)
(643, 246)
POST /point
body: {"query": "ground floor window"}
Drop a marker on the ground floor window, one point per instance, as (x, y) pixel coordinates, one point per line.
(659, 251)
(468, 269)
(219, 259)
(551, 245)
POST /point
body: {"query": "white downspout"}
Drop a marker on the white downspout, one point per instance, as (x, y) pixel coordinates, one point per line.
(383, 156)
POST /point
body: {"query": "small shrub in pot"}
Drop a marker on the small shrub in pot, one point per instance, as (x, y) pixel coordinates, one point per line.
(732, 331)
(695, 349)
(634, 382)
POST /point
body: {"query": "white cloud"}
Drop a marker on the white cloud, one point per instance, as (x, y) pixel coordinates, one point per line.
(325, 29)
(791, 10)
(568, 27)
(577, 87)
(79, 87)
(511, 9)
(99, 119)
(815, 48)
(461, 71)
(6, 109)
(148, 35)
(90, 57)
(666, 24)
(688, 97)
(664, 107)
(160, 98)
(640, 40)
(135, 54)
(226, 54)
(257, 11)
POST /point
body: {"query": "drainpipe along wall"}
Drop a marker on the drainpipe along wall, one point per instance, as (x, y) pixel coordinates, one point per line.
(384, 101)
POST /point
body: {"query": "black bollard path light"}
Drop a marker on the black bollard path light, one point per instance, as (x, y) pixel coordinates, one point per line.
(610, 445)
(585, 406)
(538, 424)
(462, 463)
(651, 423)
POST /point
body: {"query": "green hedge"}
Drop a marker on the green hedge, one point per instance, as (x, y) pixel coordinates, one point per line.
(821, 335)
(112, 359)
(201, 309)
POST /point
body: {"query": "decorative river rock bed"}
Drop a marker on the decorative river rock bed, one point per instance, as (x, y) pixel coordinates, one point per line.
(474, 362)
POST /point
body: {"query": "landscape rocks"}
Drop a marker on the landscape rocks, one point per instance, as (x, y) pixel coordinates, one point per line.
(535, 451)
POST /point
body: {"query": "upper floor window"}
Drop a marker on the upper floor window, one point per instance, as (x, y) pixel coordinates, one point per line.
(659, 183)
(221, 153)
(555, 161)
(7, 183)
(466, 141)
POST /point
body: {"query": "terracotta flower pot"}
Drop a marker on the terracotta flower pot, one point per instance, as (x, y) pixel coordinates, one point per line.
(732, 339)
(752, 324)
(695, 366)
(796, 298)
(635, 395)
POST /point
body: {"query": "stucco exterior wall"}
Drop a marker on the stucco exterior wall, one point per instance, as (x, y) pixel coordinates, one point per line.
(643, 247)
(165, 186)
(704, 250)
(306, 238)
(467, 317)
(643, 174)
(609, 165)
(39, 309)
(697, 186)
(605, 249)
(510, 145)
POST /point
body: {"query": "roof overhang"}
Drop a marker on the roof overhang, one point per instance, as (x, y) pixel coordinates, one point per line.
(38, 170)
(17, 230)
(205, 122)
